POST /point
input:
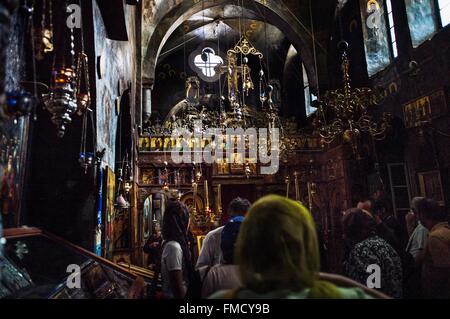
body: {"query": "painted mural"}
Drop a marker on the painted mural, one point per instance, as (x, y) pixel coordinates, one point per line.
(13, 134)
(421, 20)
(376, 41)
(117, 66)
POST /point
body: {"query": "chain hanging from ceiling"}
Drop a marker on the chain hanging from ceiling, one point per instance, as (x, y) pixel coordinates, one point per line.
(65, 96)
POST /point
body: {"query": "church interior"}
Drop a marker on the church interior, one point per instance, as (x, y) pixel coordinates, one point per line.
(107, 109)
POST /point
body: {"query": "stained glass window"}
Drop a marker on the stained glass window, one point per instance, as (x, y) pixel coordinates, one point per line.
(444, 11)
(421, 20)
(391, 25)
(309, 97)
(375, 31)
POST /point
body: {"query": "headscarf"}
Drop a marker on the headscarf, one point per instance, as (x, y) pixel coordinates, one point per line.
(175, 228)
(277, 250)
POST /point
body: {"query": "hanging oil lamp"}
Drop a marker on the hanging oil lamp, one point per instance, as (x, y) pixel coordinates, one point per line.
(166, 185)
(86, 159)
(248, 170)
(127, 183)
(61, 101)
(121, 202)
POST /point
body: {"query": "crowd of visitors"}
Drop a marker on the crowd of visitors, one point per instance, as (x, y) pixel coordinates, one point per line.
(271, 250)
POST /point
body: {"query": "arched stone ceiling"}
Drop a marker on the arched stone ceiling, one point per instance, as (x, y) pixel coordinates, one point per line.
(164, 17)
(226, 32)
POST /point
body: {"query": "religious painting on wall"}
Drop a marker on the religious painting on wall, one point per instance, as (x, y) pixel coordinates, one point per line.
(12, 154)
(237, 164)
(222, 167)
(425, 108)
(121, 229)
(188, 200)
(431, 186)
(376, 39)
(13, 131)
(421, 20)
(147, 218)
(148, 176)
(417, 112)
(109, 212)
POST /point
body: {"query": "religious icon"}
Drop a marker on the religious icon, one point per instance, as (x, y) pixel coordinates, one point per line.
(431, 186)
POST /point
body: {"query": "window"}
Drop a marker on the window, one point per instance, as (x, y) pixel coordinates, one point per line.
(444, 11)
(376, 39)
(205, 62)
(391, 26)
(309, 97)
(421, 20)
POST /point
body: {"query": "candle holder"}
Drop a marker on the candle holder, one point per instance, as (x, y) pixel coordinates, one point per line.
(61, 102)
(287, 180)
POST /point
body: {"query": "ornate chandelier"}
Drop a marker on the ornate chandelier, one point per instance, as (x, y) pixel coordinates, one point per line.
(349, 109)
(239, 83)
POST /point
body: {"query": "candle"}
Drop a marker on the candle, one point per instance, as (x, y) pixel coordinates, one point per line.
(297, 188)
(311, 192)
(288, 183)
(194, 186)
(219, 197)
(207, 194)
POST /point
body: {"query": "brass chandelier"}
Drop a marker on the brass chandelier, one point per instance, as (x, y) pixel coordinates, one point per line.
(239, 83)
(349, 109)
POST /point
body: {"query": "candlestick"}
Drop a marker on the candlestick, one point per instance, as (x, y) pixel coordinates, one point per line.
(194, 186)
(219, 198)
(207, 195)
(311, 193)
(288, 183)
(297, 187)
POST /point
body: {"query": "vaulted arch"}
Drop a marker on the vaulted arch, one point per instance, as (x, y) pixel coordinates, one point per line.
(170, 17)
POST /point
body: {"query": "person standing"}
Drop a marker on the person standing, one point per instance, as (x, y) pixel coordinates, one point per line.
(418, 234)
(211, 253)
(226, 275)
(278, 256)
(436, 260)
(176, 262)
(153, 247)
(366, 248)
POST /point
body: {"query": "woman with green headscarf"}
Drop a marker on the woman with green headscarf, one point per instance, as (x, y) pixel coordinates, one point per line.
(278, 255)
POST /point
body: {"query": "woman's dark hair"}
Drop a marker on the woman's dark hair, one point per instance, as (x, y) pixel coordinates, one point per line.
(175, 228)
(429, 209)
(358, 225)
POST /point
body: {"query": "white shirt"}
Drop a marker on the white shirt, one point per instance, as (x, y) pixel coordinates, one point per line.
(221, 277)
(417, 241)
(211, 252)
(171, 260)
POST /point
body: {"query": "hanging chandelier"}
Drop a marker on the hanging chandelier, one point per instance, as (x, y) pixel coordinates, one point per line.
(349, 110)
(238, 83)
